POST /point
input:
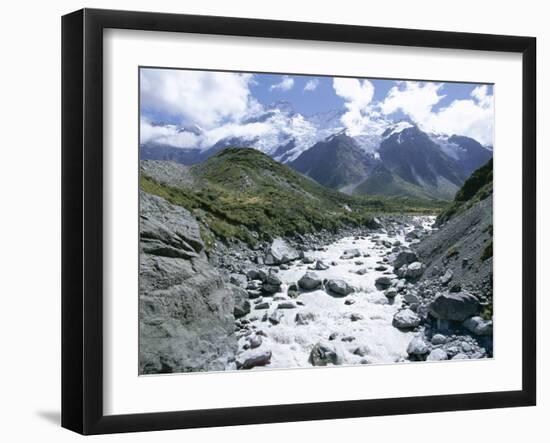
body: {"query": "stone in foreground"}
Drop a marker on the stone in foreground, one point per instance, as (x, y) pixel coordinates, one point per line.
(253, 359)
(406, 319)
(322, 355)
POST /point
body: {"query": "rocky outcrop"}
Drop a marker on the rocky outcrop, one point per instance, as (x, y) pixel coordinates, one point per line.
(186, 312)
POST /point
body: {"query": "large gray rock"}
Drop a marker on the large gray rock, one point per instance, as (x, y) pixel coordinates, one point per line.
(322, 355)
(479, 326)
(456, 306)
(186, 320)
(414, 270)
(383, 282)
(253, 358)
(406, 319)
(272, 284)
(310, 281)
(437, 355)
(339, 287)
(280, 252)
(404, 258)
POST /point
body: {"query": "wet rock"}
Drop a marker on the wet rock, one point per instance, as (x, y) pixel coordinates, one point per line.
(349, 301)
(390, 293)
(304, 318)
(383, 282)
(454, 306)
(275, 317)
(361, 271)
(272, 284)
(356, 316)
(350, 253)
(418, 346)
(255, 341)
(252, 359)
(321, 266)
(280, 252)
(310, 281)
(381, 268)
(286, 305)
(406, 319)
(262, 305)
(322, 355)
(306, 259)
(478, 326)
(348, 339)
(362, 351)
(339, 287)
(437, 355)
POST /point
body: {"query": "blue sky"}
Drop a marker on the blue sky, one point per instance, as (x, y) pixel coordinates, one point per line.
(213, 100)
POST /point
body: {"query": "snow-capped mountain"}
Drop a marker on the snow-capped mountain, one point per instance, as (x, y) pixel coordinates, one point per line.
(399, 160)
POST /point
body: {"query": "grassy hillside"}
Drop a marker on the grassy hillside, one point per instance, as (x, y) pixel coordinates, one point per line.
(477, 187)
(244, 194)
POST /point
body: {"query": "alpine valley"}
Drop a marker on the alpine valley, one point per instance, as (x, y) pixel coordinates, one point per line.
(312, 246)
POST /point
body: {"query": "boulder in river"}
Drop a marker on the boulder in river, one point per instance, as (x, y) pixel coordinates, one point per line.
(310, 281)
(383, 282)
(350, 253)
(339, 287)
(456, 306)
(280, 252)
(271, 284)
(406, 319)
(322, 355)
(478, 325)
(251, 359)
(321, 266)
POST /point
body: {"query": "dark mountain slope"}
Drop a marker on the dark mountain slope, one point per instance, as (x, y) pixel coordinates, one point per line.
(335, 162)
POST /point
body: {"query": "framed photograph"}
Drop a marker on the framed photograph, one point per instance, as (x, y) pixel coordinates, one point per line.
(269, 221)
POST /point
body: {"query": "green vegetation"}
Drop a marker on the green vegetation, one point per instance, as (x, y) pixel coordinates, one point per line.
(478, 187)
(244, 194)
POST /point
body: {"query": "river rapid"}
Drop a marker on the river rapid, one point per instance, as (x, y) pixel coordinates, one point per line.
(357, 327)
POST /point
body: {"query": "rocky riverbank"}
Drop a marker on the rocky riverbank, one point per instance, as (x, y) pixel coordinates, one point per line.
(356, 297)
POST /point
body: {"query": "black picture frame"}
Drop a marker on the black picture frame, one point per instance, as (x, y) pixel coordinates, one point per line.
(82, 218)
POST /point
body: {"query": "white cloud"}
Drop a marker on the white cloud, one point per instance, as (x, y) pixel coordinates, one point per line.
(167, 135)
(285, 84)
(311, 85)
(472, 117)
(360, 117)
(413, 98)
(205, 98)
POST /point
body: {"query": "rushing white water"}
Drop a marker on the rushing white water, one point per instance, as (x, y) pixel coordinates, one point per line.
(380, 342)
